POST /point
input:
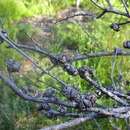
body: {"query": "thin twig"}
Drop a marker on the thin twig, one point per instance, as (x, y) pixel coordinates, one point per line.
(71, 123)
(125, 6)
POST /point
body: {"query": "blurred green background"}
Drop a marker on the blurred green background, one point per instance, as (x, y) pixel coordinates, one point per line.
(19, 17)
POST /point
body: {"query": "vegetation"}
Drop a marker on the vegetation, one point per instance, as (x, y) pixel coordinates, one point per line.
(20, 18)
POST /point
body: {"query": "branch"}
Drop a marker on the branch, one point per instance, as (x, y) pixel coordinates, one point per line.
(105, 91)
(99, 54)
(97, 5)
(79, 56)
(75, 15)
(72, 123)
(105, 10)
(125, 6)
(20, 93)
(110, 9)
(109, 3)
(91, 116)
(13, 45)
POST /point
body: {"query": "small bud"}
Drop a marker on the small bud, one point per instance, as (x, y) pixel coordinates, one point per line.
(59, 59)
(70, 92)
(63, 58)
(13, 66)
(70, 69)
(85, 71)
(54, 60)
(92, 98)
(115, 27)
(126, 44)
(86, 101)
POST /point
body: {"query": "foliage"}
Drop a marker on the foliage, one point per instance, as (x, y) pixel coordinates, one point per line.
(19, 115)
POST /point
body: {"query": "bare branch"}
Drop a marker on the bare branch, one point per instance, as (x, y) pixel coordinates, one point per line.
(99, 54)
(125, 6)
(71, 123)
(109, 4)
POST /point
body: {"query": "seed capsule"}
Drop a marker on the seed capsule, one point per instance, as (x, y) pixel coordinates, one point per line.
(59, 59)
(70, 69)
(63, 58)
(13, 66)
(90, 97)
(85, 71)
(115, 27)
(86, 101)
(126, 44)
(70, 92)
